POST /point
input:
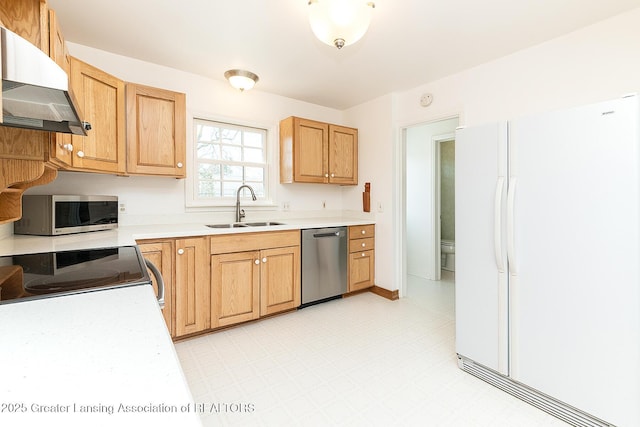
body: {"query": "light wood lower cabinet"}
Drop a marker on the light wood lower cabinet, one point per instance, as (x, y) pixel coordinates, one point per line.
(235, 288)
(361, 257)
(160, 253)
(254, 275)
(192, 289)
(280, 279)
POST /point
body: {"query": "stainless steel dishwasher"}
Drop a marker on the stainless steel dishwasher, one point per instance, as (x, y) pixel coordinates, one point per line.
(324, 264)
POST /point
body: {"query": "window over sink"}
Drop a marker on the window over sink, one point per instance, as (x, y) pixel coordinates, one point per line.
(227, 156)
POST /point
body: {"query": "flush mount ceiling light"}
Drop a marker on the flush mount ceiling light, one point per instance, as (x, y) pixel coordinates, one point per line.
(241, 79)
(340, 22)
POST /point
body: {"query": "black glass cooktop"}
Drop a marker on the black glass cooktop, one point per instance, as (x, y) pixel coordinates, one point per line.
(47, 274)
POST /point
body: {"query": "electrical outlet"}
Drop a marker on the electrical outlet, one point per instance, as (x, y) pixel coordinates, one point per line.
(285, 206)
(122, 208)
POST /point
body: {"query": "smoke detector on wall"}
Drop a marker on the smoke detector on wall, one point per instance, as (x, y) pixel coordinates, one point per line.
(426, 99)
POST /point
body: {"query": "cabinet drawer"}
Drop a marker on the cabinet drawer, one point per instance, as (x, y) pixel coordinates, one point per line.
(357, 245)
(240, 242)
(361, 231)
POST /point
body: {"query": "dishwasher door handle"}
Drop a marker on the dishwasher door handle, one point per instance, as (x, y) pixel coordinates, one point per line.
(335, 234)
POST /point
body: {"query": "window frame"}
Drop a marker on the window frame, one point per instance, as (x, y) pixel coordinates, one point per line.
(193, 203)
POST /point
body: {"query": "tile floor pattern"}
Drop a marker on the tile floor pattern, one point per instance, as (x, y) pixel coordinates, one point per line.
(358, 361)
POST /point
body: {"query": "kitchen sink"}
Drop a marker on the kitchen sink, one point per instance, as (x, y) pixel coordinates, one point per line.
(245, 224)
(232, 225)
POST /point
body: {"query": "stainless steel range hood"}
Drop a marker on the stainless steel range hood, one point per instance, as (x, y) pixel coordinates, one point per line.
(35, 90)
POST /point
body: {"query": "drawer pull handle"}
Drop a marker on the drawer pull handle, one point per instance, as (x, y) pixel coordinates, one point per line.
(364, 245)
(363, 254)
(364, 232)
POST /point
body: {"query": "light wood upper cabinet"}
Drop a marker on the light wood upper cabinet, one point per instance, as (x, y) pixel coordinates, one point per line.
(192, 286)
(156, 131)
(160, 253)
(62, 155)
(343, 155)
(317, 152)
(102, 102)
(29, 19)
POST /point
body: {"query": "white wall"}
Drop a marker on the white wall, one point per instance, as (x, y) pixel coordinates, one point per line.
(419, 206)
(158, 200)
(375, 151)
(596, 63)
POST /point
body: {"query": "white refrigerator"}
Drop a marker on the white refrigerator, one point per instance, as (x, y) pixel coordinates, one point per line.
(548, 260)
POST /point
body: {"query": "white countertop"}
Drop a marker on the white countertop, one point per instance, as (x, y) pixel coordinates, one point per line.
(127, 235)
(98, 350)
(63, 356)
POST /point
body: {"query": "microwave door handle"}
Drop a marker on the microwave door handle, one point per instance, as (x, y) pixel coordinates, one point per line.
(159, 281)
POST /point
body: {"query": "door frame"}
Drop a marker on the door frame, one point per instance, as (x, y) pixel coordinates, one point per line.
(436, 229)
(400, 198)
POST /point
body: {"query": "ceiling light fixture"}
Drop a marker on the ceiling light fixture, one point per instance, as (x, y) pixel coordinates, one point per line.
(340, 22)
(241, 79)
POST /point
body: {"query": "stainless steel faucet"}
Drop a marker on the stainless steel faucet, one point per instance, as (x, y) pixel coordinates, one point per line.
(240, 212)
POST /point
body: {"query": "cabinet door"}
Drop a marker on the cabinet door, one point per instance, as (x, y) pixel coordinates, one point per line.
(235, 288)
(61, 143)
(161, 255)
(28, 19)
(343, 155)
(101, 99)
(361, 270)
(192, 288)
(280, 279)
(310, 151)
(156, 131)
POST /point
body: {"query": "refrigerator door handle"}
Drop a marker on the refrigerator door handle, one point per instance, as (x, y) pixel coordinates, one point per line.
(511, 200)
(497, 224)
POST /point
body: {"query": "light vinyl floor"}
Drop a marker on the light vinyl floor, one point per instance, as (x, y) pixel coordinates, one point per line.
(357, 361)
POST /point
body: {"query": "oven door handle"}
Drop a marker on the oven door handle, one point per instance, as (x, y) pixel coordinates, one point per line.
(159, 281)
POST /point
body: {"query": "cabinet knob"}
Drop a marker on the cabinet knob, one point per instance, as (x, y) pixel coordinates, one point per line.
(326, 175)
(364, 245)
(68, 147)
(257, 261)
(179, 164)
(364, 232)
(80, 154)
(264, 260)
(180, 251)
(363, 254)
(333, 175)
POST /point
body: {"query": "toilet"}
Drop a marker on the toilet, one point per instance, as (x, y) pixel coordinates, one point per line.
(448, 253)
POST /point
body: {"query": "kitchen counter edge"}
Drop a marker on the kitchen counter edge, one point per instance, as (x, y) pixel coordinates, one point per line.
(128, 235)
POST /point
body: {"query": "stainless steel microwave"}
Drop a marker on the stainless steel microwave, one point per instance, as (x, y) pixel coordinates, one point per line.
(54, 215)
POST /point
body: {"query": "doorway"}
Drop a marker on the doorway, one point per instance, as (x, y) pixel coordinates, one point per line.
(424, 146)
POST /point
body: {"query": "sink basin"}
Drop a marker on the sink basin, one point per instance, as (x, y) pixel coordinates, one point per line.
(245, 224)
(232, 225)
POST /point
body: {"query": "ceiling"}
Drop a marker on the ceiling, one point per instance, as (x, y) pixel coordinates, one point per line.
(409, 42)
